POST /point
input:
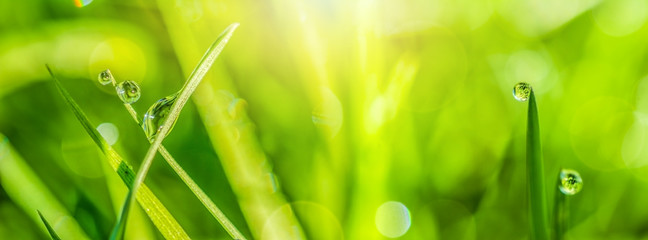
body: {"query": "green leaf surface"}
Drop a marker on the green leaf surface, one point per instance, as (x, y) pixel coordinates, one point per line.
(535, 175)
(50, 230)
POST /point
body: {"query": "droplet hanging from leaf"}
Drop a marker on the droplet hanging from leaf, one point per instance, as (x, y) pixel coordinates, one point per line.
(128, 91)
(157, 114)
(521, 91)
(106, 77)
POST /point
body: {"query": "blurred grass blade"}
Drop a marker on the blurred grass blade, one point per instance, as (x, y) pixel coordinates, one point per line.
(29, 192)
(159, 215)
(560, 213)
(120, 226)
(535, 175)
(234, 140)
(49, 227)
(190, 86)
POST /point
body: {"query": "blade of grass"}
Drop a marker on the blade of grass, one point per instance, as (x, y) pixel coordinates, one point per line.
(247, 167)
(159, 215)
(28, 191)
(190, 86)
(243, 160)
(560, 212)
(200, 194)
(535, 175)
(50, 230)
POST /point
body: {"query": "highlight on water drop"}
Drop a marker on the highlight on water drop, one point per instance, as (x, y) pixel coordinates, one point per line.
(128, 91)
(570, 182)
(82, 3)
(522, 91)
(156, 115)
(106, 77)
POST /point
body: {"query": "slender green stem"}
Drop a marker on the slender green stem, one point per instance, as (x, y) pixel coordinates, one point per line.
(190, 86)
(29, 192)
(560, 211)
(159, 215)
(50, 230)
(535, 175)
(200, 194)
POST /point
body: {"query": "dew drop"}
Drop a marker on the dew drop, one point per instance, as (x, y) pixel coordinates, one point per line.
(106, 77)
(521, 91)
(570, 182)
(157, 114)
(128, 91)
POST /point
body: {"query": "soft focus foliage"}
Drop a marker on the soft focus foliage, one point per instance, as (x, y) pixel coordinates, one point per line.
(373, 119)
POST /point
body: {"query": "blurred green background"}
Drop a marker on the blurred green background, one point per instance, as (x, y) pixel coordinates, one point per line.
(373, 119)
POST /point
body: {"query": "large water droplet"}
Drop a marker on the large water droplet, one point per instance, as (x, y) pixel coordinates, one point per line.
(157, 114)
(128, 91)
(570, 182)
(106, 77)
(521, 91)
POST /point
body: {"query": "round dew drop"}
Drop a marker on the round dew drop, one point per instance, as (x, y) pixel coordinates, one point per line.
(128, 91)
(570, 182)
(105, 77)
(156, 115)
(522, 91)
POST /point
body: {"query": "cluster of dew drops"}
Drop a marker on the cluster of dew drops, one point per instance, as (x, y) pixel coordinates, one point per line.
(129, 92)
(570, 180)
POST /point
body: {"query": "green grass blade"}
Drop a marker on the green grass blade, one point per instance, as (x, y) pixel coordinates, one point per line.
(560, 201)
(49, 227)
(120, 226)
(535, 175)
(190, 86)
(200, 194)
(159, 215)
(29, 192)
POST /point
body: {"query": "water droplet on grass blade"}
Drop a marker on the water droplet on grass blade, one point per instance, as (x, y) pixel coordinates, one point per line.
(157, 114)
(570, 182)
(128, 91)
(521, 91)
(106, 77)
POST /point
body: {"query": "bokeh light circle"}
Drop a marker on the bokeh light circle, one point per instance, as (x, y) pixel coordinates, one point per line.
(393, 219)
(124, 58)
(109, 132)
(620, 17)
